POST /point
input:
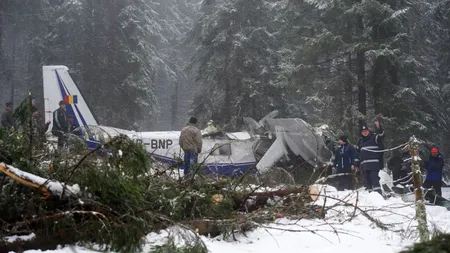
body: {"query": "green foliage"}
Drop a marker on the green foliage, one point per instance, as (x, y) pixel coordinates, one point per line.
(364, 60)
(236, 62)
(193, 201)
(15, 145)
(110, 205)
(23, 113)
(120, 201)
(438, 244)
(15, 150)
(170, 247)
(106, 47)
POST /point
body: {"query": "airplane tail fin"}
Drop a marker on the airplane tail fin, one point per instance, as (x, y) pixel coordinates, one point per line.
(58, 85)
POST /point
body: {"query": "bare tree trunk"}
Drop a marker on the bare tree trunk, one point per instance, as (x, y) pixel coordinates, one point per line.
(13, 66)
(377, 80)
(30, 127)
(361, 62)
(4, 70)
(421, 214)
(174, 106)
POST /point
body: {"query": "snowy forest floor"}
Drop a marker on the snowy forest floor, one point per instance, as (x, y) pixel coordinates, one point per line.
(343, 229)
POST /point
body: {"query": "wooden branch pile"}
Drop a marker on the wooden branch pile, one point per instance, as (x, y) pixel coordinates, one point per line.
(250, 208)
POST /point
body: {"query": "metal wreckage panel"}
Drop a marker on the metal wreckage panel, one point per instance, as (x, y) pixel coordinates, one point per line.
(301, 139)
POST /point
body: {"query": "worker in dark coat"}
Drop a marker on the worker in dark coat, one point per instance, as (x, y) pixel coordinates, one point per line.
(72, 127)
(7, 120)
(434, 167)
(39, 128)
(400, 165)
(60, 125)
(370, 158)
(344, 161)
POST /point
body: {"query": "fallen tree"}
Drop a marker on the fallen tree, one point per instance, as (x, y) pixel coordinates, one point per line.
(65, 196)
(47, 187)
(205, 207)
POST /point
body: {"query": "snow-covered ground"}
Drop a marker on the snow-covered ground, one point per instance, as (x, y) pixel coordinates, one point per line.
(446, 192)
(337, 232)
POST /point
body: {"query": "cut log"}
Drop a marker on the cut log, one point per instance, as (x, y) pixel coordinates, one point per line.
(314, 192)
(260, 198)
(28, 183)
(279, 193)
(46, 186)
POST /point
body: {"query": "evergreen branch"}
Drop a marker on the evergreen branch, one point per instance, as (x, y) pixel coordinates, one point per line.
(53, 217)
(77, 165)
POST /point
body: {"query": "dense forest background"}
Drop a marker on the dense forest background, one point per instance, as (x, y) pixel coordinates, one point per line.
(149, 64)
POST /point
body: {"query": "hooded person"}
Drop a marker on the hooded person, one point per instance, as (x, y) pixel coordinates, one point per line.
(344, 161)
(369, 158)
(210, 128)
(434, 167)
(191, 143)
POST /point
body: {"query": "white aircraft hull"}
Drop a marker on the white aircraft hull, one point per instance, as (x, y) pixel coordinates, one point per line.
(225, 154)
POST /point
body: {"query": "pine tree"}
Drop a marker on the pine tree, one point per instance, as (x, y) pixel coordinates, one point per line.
(361, 60)
(236, 62)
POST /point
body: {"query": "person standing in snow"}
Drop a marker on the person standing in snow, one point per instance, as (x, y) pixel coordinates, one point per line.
(369, 158)
(7, 118)
(400, 165)
(39, 127)
(344, 161)
(60, 125)
(191, 143)
(434, 167)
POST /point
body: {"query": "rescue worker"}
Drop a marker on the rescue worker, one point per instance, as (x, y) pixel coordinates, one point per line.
(400, 165)
(210, 128)
(71, 126)
(369, 158)
(60, 125)
(39, 126)
(7, 117)
(191, 143)
(344, 161)
(434, 167)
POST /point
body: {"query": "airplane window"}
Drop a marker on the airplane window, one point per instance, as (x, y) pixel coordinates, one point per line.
(84, 132)
(221, 149)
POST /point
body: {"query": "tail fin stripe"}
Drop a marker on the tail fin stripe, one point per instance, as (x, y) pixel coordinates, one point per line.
(65, 94)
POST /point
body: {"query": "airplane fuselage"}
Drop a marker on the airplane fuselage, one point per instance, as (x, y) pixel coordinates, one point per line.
(222, 153)
(225, 153)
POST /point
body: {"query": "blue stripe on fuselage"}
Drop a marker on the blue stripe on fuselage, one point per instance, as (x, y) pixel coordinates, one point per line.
(223, 169)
